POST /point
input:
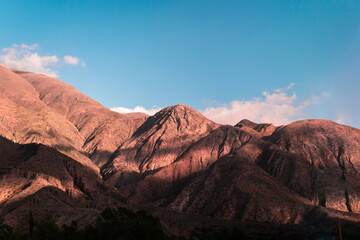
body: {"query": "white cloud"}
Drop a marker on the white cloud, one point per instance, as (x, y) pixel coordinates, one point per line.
(284, 89)
(26, 46)
(25, 57)
(277, 107)
(343, 118)
(151, 111)
(22, 57)
(73, 61)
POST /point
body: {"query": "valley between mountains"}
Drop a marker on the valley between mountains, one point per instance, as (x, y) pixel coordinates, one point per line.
(63, 152)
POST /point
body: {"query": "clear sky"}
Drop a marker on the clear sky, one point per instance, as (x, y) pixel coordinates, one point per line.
(274, 61)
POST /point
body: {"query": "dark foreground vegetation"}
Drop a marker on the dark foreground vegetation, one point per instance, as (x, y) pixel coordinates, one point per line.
(123, 224)
(119, 224)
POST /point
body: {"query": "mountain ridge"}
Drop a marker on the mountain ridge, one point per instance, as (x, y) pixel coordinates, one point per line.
(176, 162)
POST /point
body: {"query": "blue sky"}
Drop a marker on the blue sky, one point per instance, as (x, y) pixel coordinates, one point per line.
(229, 59)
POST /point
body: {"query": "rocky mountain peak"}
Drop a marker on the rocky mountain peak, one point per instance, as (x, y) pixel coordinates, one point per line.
(178, 117)
(159, 141)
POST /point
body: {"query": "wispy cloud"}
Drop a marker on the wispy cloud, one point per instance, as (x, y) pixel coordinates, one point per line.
(151, 111)
(26, 46)
(25, 57)
(73, 60)
(276, 107)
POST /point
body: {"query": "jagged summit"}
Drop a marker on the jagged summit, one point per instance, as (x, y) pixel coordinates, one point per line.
(184, 117)
(159, 141)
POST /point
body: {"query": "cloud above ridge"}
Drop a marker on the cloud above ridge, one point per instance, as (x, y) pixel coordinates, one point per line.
(151, 111)
(22, 57)
(25, 57)
(276, 107)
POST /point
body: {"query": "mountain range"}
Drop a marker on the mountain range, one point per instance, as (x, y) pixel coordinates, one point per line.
(63, 152)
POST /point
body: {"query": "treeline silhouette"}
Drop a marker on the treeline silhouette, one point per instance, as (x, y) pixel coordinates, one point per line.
(112, 224)
(123, 224)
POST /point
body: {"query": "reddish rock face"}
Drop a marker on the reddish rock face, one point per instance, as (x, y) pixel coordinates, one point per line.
(234, 172)
(138, 118)
(102, 129)
(333, 152)
(137, 115)
(38, 178)
(158, 142)
(176, 161)
(27, 119)
(41, 109)
(259, 130)
(197, 158)
(235, 188)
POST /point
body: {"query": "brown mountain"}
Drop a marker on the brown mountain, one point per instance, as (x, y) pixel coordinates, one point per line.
(316, 159)
(234, 172)
(177, 164)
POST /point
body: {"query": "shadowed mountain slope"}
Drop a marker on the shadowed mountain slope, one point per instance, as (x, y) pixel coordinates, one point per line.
(198, 157)
(231, 173)
(157, 143)
(176, 162)
(38, 178)
(333, 150)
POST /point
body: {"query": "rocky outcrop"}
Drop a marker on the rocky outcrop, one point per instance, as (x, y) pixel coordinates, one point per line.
(158, 142)
(259, 130)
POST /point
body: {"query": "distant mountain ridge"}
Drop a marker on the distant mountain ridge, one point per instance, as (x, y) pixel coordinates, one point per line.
(62, 147)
